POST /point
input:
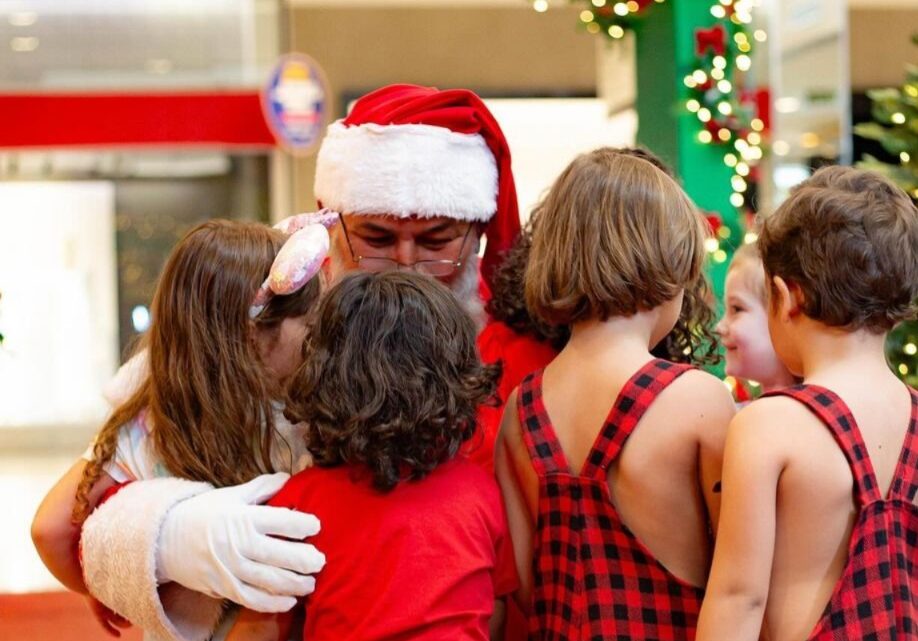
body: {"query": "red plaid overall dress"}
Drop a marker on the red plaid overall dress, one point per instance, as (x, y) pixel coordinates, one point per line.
(876, 598)
(593, 579)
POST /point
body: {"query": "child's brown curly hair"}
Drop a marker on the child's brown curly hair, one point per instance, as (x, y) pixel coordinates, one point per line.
(391, 378)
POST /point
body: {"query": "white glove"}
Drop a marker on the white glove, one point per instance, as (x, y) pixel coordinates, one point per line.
(218, 543)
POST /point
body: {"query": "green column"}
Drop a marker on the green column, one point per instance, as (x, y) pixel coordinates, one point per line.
(665, 54)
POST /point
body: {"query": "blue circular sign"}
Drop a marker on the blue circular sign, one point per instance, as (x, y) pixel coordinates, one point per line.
(295, 102)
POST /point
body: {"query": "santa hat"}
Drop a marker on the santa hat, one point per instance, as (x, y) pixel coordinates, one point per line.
(406, 150)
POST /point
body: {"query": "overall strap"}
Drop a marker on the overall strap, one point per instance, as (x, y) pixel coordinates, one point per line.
(538, 434)
(635, 397)
(905, 480)
(836, 415)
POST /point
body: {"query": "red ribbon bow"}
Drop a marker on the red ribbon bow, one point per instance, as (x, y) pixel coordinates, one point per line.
(713, 38)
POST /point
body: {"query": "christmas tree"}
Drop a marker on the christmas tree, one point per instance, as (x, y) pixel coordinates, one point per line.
(895, 127)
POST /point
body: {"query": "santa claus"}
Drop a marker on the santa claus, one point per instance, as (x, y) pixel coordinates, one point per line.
(417, 176)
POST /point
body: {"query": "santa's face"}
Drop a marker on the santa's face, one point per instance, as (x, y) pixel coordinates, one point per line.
(440, 246)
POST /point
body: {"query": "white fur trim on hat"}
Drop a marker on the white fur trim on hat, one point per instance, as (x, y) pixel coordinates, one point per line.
(406, 170)
(118, 548)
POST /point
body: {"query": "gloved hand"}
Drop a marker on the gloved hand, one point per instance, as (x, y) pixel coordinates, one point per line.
(219, 543)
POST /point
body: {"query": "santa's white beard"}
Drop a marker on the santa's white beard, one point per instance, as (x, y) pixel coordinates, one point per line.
(468, 292)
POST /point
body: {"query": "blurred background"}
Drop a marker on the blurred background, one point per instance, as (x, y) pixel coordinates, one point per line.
(124, 122)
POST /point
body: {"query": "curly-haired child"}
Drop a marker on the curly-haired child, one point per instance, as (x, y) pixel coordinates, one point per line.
(388, 392)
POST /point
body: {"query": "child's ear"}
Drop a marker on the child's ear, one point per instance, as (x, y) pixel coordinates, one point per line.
(788, 298)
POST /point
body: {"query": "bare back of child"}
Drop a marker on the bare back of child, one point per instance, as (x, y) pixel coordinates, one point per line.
(616, 244)
(816, 480)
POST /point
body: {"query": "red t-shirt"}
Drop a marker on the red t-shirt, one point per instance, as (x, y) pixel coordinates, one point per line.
(424, 561)
(520, 355)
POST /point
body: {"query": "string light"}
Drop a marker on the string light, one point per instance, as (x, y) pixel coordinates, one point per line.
(542, 5)
(620, 8)
(616, 32)
(898, 118)
(586, 16)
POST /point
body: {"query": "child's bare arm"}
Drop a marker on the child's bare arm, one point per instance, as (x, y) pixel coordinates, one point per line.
(55, 535)
(259, 626)
(519, 489)
(712, 435)
(737, 590)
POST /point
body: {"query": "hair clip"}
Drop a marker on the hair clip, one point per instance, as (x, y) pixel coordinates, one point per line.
(296, 263)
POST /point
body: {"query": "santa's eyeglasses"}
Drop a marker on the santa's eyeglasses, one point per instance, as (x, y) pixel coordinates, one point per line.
(436, 268)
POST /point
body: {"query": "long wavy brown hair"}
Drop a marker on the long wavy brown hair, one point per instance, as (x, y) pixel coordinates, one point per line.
(207, 394)
(692, 340)
(391, 379)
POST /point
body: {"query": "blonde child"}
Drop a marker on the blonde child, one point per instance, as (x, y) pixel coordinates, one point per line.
(415, 534)
(743, 328)
(207, 406)
(817, 537)
(610, 509)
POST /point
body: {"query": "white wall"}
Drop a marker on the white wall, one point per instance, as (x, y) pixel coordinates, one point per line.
(545, 134)
(58, 310)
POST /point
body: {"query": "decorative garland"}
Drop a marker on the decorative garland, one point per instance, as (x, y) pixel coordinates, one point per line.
(721, 52)
(612, 18)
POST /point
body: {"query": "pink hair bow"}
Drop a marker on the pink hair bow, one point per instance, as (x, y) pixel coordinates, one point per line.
(325, 217)
(296, 263)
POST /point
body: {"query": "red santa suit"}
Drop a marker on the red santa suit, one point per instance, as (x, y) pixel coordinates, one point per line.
(406, 152)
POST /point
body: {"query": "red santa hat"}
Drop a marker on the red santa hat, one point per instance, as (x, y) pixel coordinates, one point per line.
(410, 151)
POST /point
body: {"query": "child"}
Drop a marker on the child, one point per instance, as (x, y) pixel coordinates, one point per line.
(208, 406)
(415, 536)
(817, 538)
(522, 343)
(744, 326)
(618, 545)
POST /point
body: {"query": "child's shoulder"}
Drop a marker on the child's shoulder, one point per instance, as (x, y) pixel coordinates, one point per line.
(697, 397)
(774, 423)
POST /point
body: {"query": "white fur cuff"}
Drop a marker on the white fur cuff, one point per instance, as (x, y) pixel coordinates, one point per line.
(119, 562)
(406, 170)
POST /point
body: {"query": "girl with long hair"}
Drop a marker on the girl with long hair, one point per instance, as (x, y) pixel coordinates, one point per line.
(209, 402)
